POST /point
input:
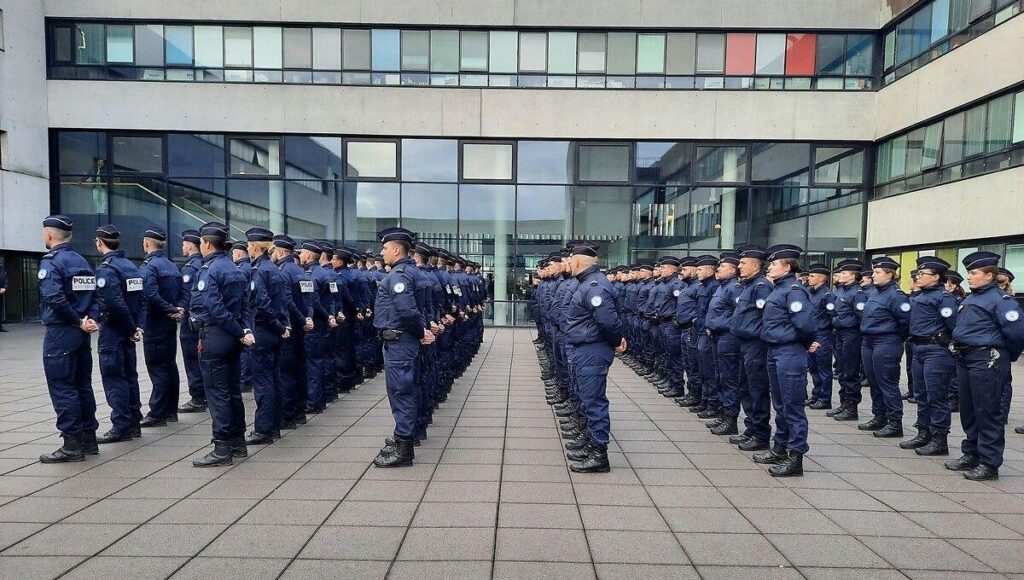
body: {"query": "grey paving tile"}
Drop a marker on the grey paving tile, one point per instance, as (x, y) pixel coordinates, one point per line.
(646, 571)
(730, 549)
(165, 540)
(924, 553)
(711, 520)
(304, 569)
(142, 568)
(529, 492)
(439, 570)
(448, 544)
(543, 570)
(202, 568)
(830, 551)
(462, 491)
(265, 541)
(541, 545)
(37, 567)
(861, 523)
(607, 494)
(605, 517)
(967, 526)
(354, 543)
(791, 521)
(121, 511)
(617, 547)
(291, 511)
(1006, 556)
(455, 515)
(749, 572)
(372, 513)
(529, 515)
(69, 540)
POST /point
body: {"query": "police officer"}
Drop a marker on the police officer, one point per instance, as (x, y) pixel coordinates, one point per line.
(593, 333)
(161, 284)
(318, 337)
(789, 328)
(989, 335)
(122, 305)
(349, 314)
(218, 310)
(669, 363)
(746, 325)
(686, 316)
(240, 256)
(728, 361)
(954, 285)
(188, 337)
(883, 325)
(402, 328)
(330, 356)
(300, 317)
(1005, 282)
(710, 407)
(819, 362)
(933, 315)
(848, 306)
(268, 298)
(69, 313)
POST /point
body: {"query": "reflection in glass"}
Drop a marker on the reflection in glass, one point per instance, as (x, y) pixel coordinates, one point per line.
(266, 41)
(255, 202)
(474, 50)
(431, 210)
(487, 215)
(143, 154)
(650, 55)
(314, 209)
(487, 161)
(542, 213)
(592, 52)
(355, 51)
(191, 207)
(838, 165)
(82, 152)
(238, 46)
(149, 45)
(602, 214)
(562, 53)
(504, 51)
(385, 49)
(135, 205)
(312, 157)
(836, 231)
(371, 159)
(84, 200)
(209, 46)
(255, 157)
(368, 209)
(430, 160)
(89, 44)
(544, 162)
(179, 45)
(444, 50)
(663, 162)
(416, 50)
(604, 163)
(120, 47)
(780, 163)
(721, 164)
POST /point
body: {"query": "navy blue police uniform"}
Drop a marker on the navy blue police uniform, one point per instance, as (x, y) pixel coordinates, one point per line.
(318, 339)
(245, 266)
(710, 407)
(728, 360)
(188, 337)
(293, 351)
(755, 398)
(884, 327)
(848, 306)
(819, 362)
(161, 284)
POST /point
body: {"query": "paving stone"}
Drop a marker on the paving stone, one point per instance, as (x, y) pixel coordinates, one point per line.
(543, 545)
(69, 540)
(303, 569)
(447, 544)
(354, 543)
(924, 553)
(530, 515)
(202, 568)
(604, 517)
(730, 549)
(830, 551)
(165, 540)
(134, 567)
(461, 515)
(617, 547)
(543, 571)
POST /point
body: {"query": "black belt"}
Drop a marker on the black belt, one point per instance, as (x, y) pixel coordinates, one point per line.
(959, 349)
(389, 335)
(923, 340)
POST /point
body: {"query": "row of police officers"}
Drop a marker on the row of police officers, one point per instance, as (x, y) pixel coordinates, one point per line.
(297, 323)
(743, 331)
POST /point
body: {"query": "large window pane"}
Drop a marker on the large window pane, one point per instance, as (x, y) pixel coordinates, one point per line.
(932, 146)
(430, 160)
(592, 52)
(974, 133)
(355, 52)
(195, 155)
(721, 164)
(504, 51)
(486, 233)
(298, 48)
(533, 52)
(82, 152)
(710, 53)
(604, 163)
(385, 49)
(191, 207)
(800, 54)
(266, 47)
(899, 157)
(663, 162)
(915, 151)
(562, 53)
(326, 49)
(85, 202)
(431, 210)
(922, 20)
(487, 161)
(780, 163)
(621, 53)
(376, 159)
(255, 156)
(1018, 118)
(836, 231)
(238, 46)
(312, 157)
(940, 20)
(543, 162)
(179, 44)
(143, 154)
(209, 46)
(953, 139)
(474, 51)
(979, 8)
(369, 208)
(603, 214)
(838, 165)
(681, 53)
(444, 50)
(135, 206)
(999, 127)
(860, 50)
(314, 209)
(415, 50)
(255, 203)
(890, 50)
(739, 56)
(771, 54)
(542, 213)
(883, 162)
(149, 45)
(831, 54)
(120, 46)
(89, 44)
(650, 55)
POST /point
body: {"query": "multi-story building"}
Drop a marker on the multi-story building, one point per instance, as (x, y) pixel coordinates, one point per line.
(502, 128)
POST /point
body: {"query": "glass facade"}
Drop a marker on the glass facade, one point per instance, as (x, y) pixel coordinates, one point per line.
(505, 204)
(593, 59)
(984, 138)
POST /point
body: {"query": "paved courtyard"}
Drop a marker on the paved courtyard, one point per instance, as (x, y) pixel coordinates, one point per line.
(490, 495)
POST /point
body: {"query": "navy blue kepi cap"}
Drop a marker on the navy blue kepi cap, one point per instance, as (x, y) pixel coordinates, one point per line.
(215, 229)
(687, 261)
(729, 258)
(108, 232)
(752, 251)
(885, 262)
(783, 251)
(258, 234)
(326, 246)
(311, 245)
(980, 260)
(155, 233)
(190, 236)
(937, 265)
(283, 241)
(61, 222)
(396, 235)
(1006, 273)
(819, 269)
(707, 260)
(424, 250)
(849, 266)
(955, 277)
(585, 249)
(239, 245)
(669, 260)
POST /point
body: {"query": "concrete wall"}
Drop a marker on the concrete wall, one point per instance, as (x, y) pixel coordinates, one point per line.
(462, 112)
(791, 14)
(982, 207)
(24, 183)
(979, 68)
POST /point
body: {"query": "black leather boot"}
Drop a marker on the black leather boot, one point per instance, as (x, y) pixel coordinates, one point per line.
(820, 405)
(709, 413)
(739, 438)
(238, 448)
(920, 440)
(578, 443)
(595, 462)
(113, 436)
(89, 445)
(193, 406)
(982, 472)
(777, 454)
(936, 446)
(894, 428)
(792, 466)
(700, 407)
(752, 444)
(849, 414)
(963, 463)
(151, 421)
(70, 451)
(221, 455)
(727, 426)
(836, 411)
(876, 423)
(402, 455)
(257, 438)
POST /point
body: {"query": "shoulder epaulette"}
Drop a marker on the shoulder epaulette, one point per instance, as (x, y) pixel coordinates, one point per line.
(48, 256)
(593, 282)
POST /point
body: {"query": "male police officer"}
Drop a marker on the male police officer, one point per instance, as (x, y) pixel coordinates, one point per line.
(593, 334)
(122, 316)
(317, 338)
(218, 311)
(293, 352)
(66, 285)
(402, 328)
(189, 338)
(746, 326)
(240, 256)
(161, 282)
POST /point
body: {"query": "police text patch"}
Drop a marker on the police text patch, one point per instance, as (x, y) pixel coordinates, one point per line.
(83, 283)
(334, 287)
(305, 286)
(133, 284)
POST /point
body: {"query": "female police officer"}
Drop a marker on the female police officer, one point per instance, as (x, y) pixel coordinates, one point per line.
(883, 325)
(989, 334)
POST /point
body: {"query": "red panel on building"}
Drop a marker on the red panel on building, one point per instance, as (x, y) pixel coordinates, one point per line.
(739, 53)
(800, 51)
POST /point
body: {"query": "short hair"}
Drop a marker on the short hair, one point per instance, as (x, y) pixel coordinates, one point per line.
(111, 243)
(217, 242)
(62, 235)
(794, 265)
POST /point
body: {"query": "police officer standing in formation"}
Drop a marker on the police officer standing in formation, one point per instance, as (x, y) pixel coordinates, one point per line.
(240, 256)
(189, 339)
(161, 284)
